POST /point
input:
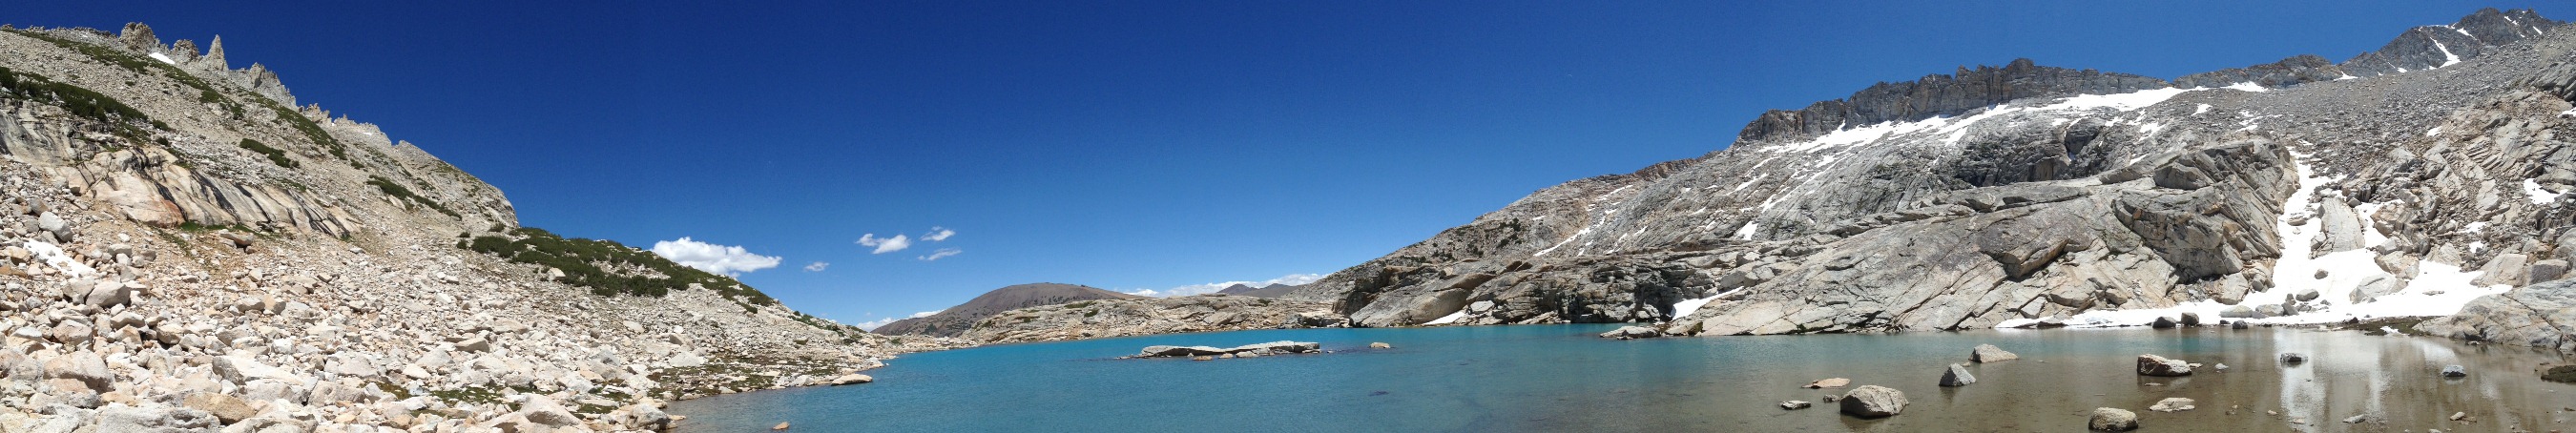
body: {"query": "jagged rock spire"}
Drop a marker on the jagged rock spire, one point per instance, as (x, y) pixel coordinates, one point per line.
(138, 37)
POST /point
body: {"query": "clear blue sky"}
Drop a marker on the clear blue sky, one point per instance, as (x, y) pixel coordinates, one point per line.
(1144, 145)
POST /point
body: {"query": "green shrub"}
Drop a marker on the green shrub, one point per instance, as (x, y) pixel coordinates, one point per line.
(274, 155)
(79, 101)
(581, 261)
(398, 191)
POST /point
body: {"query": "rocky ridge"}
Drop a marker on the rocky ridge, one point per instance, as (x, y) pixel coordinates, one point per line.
(1954, 202)
(183, 249)
(1128, 317)
(956, 320)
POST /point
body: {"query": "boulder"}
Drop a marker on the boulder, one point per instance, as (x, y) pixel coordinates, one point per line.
(1381, 346)
(83, 367)
(1990, 353)
(1632, 332)
(2190, 319)
(2506, 269)
(1829, 383)
(1276, 348)
(2113, 419)
(2163, 323)
(2175, 404)
(228, 408)
(1873, 401)
(2541, 315)
(687, 359)
(2293, 358)
(2152, 365)
(544, 410)
(122, 418)
(109, 294)
(1175, 351)
(1957, 375)
(852, 379)
(2454, 371)
(241, 369)
(2240, 324)
(2548, 270)
(2559, 373)
(2237, 312)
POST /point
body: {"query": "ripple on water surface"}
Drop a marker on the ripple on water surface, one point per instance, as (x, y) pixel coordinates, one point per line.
(1560, 378)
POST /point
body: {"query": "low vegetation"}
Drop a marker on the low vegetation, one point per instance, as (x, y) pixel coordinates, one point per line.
(607, 267)
(399, 192)
(274, 155)
(81, 102)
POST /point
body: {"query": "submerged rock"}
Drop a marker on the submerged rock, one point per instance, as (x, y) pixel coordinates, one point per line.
(2455, 371)
(2175, 404)
(2113, 419)
(2152, 365)
(1244, 351)
(1829, 383)
(1989, 353)
(1957, 375)
(2559, 373)
(1632, 332)
(1873, 401)
(1795, 405)
(2293, 358)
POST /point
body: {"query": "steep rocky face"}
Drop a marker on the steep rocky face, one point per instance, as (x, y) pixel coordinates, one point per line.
(227, 260)
(1126, 317)
(956, 320)
(1942, 95)
(2374, 193)
(2303, 68)
(2435, 46)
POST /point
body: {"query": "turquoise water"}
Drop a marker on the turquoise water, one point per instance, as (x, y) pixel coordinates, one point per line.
(1561, 378)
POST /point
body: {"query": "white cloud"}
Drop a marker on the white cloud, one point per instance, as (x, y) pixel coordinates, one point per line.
(938, 234)
(874, 324)
(1195, 289)
(722, 259)
(817, 267)
(885, 245)
(941, 254)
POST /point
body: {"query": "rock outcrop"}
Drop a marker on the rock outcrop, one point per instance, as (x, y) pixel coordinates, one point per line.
(182, 248)
(1955, 202)
(2542, 315)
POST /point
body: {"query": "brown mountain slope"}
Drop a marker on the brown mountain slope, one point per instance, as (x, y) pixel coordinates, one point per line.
(957, 319)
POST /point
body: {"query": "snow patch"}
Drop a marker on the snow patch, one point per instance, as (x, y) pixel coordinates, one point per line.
(1451, 318)
(53, 256)
(1740, 186)
(2538, 195)
(162, 58)
(2123, 101)
(2248, 86)
(2204, 108)
(1688, 306)
(2447, 58)
(2433, 132)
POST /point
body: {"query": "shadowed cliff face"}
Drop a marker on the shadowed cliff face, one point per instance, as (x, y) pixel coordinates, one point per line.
(2022, 192)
